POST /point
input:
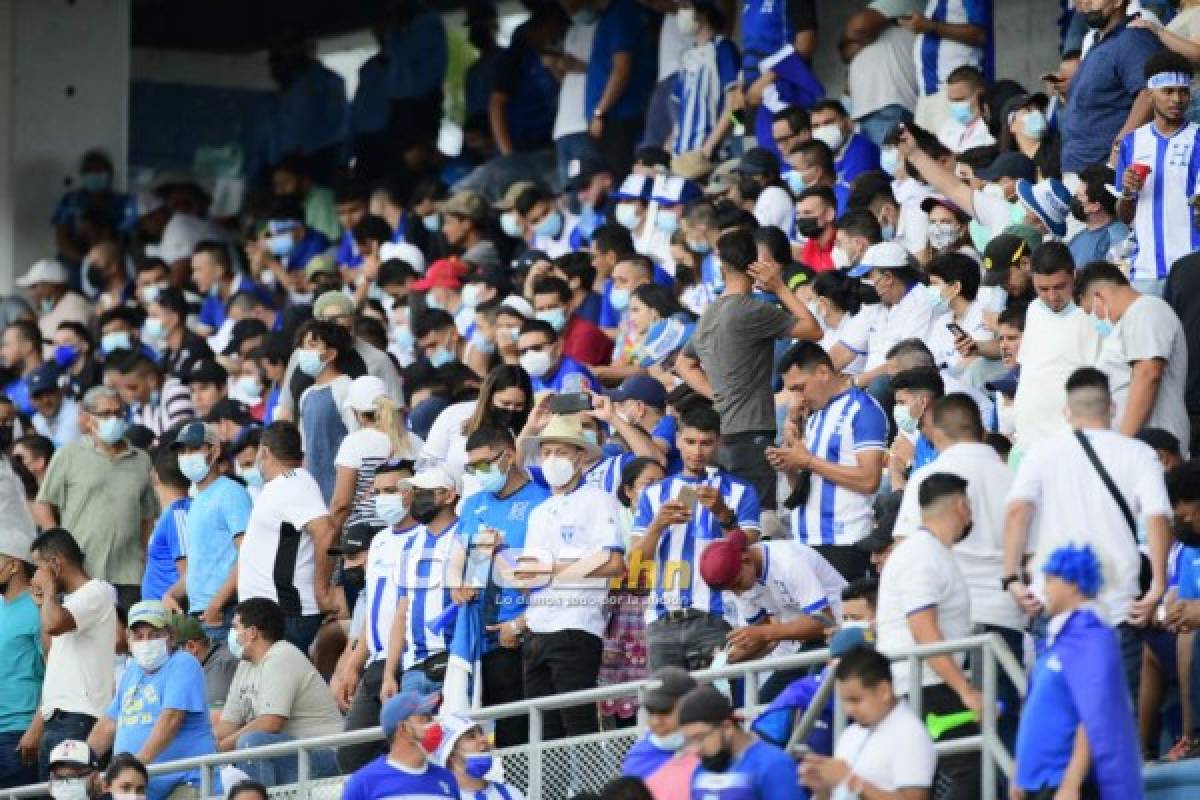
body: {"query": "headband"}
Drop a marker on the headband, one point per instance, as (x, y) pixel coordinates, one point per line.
(1169, 80)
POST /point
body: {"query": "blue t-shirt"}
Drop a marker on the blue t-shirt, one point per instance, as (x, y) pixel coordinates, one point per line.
(762, 772)
(861, 155)
(644, 758)
(167, 545)
(21, 664)
(509, 515)
(1088, 246)
(924, 452)
(347, 252)
(382, 780)
(571, 376)
(622, 28)
(591, 308)
(666, 430)
(140, 699)
(312, 244)
(1189, 573)
(219, 513)
(213, 312)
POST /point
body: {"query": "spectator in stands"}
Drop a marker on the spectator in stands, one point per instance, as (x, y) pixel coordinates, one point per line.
(276, 696)
(76, 612)
(853, 152)
(74, 353)
(966, 127)
(916, 389)
(466, 751)
(1095, 205)
(1062, 483)
(22, 667)
(166, 325)
(208, 383)
(582, 341)
(923, 598)
(158, 402)
(675, 519)
(437, 338)
(1144, 354)
(166, 549)
(887, 750)
(322, 415)
(619, 78)
(405, 769)
(33, 452)
(216, 519)
(729, 755)
(840, 457)
(663, 741)
(542, 357)
(125, 776)
(99, 489)
(73, 771)
(565, 617)
(21, 350)
(767, 28)
(159, 712)
(907, 307)
(417, 653)
(949, 36)
(46, 281)
(218, 663)
(880, 76)
(284, 555)
(57, 416)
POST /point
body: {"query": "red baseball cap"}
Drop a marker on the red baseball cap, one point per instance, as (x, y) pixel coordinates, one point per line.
(721, 561)
(445, 273)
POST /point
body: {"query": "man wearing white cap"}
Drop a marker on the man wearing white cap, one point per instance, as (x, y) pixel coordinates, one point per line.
(46, 282)
(21, 665)
(423, 585)
(466, 751)
(907, 310)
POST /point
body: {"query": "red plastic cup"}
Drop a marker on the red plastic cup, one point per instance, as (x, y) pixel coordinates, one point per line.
(1142, 170)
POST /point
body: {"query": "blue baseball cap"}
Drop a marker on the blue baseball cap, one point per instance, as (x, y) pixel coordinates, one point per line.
(643, 388)
(43, 379)
(404, 705)
(846, 639)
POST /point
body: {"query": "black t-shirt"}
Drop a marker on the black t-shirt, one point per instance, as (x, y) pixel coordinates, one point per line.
(802, 15)
(1182, 293)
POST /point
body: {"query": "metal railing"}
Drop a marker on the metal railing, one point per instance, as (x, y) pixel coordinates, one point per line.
(988, 655)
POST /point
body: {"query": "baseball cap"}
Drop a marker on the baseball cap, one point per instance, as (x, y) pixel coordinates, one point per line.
(465, 204)
(515, 190)
(75, 753)
(523, 262)
(334, 300)
(643, 388)
(1008, 165)
(581, 170)
(229, 409)
(704, 704)
(364, 391)
(723, 177)
(206, 371)
(846, 639)
(43, 379)
(405, 251)
(243, 330)
(668, 685)
(445, 273)
(722, 560)
(15, 544)
(885, 255)
(758, 161)
(433, 476)
(151, 612)
(518, 304)
(186, 628)
(1004, 251)
(404, 705)
(45, 270)
(453, 727)
(355, 539)
(318, 264)
(195, 434)
(930, 202)
(1006, 384)
(1049, 201)
(483, 255)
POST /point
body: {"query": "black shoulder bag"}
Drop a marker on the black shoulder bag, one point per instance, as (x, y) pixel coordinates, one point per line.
(1145, 573)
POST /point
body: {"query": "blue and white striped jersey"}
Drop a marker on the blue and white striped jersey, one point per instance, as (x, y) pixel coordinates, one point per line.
(851, 423)
(379, 594)
(421, 577)
(707, 71)
(1162, 224)
(937, 57)
(677, 582)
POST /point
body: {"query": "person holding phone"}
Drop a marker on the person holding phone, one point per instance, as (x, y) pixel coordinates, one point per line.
(958, 321)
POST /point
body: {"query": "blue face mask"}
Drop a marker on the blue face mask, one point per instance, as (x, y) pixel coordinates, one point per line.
(309, 362)
(235, 647)
(555, 316)
(666, 223)
(477, 764)
(961, 111)
(194, 466)
(253, 477)
(795, 181)
(1103, 326)
(511, 225)
(939, 303)
(115, 340)
(1035, 125)
(889, 160)
(432, 222)
(701, 247)
(627, 215)
(493, 480)
(153, 328)
(390, 508)
(440, 357)
(403, 338)
(281, 244)
(65, 355)
(550, 226)
(618, 299)
(111, 429)
(95, 181)
(482, 343)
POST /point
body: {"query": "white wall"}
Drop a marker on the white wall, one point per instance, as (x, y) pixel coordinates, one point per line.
(64, 88)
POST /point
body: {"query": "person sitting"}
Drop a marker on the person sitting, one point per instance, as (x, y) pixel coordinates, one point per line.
(277, 695)
(405, 770)
(466, 751)
(662, 744)
(218, 663)
(581, 340)
(550, 369)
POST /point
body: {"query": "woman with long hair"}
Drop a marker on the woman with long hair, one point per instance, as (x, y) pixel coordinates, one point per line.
(846, 308)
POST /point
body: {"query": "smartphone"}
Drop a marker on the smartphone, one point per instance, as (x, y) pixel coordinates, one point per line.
(738, 116)
(570, 403)
(957, 330)
(687, 496)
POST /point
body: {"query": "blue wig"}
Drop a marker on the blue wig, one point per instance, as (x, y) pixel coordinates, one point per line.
(1076, 564)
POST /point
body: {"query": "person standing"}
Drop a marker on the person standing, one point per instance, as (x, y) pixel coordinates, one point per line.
(285, 552)
(923, 599)
(159, 712)
(619, 78)
(573, 546)
(22, 667)
(99, 488)
(82, 627)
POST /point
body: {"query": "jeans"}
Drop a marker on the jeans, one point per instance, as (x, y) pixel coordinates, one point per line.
(218, 633)
(301, 631)
(363, 713)
(572, 147)
(879, 123)
(744, 455)
(503, 683)
(560, 662)
(688, 643)
(61, 726)
(12, 771)
(414, 680)
(285, 770)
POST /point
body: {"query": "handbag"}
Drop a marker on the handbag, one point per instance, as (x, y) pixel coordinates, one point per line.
(1145, 573)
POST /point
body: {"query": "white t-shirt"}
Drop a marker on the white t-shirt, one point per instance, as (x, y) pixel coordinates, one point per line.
(912, 228)
(572, 526)
(980, 556)
(1054, 346)
(1073, 505)
(957, 137)
(446, 440)
(896, 753)
(920, 573)
(671, 44)
(78, 679)
(854, 333)
(796, 582)
(941, 340)
(277, 559)
(569, 119)
(908, 319)
(883, 73)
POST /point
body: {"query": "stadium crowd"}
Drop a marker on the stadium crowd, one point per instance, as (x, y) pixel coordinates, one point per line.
(678, 363)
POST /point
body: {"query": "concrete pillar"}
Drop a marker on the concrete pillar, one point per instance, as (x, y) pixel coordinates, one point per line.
(64, 88)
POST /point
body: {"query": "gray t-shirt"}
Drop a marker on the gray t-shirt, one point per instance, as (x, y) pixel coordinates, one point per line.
(1150, 329)
(283, 684)
(219, 666)
(735, 343)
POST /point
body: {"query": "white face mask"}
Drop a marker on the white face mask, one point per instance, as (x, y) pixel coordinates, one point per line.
(558, 471)
(150, 654)
(536, 362)
(686, 19)
(69, 789)
(672, 742)
(841, 259)
(831, 135)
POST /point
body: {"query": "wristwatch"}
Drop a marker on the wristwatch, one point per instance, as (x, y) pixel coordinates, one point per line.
(1008, 580)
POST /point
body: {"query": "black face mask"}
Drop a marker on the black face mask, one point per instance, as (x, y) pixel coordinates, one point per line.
(966, 532)
(1095, 19)
(721, 761)
(510, 419)
(95, 276)
(809, 227)
(424, 506)
(749, 189)
(1184, 533)
(1077, 210)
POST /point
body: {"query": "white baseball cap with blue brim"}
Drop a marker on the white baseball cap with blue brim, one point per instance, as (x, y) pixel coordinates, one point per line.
(1049, 201)
(885, 255)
